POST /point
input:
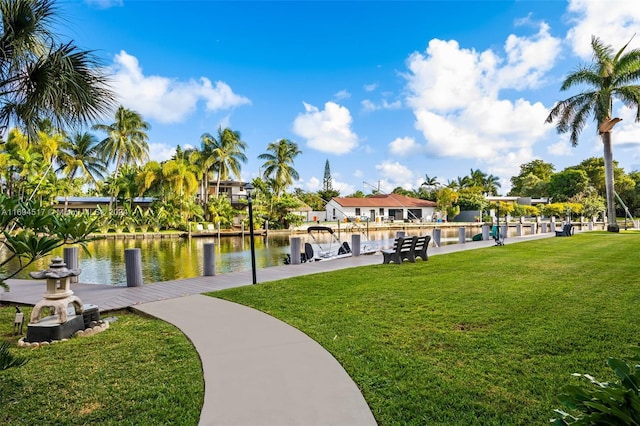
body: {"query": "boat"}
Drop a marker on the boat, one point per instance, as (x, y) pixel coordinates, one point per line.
(323, 245)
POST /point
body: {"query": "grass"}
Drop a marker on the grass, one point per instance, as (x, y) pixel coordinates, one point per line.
(140, 371)
(484, 336)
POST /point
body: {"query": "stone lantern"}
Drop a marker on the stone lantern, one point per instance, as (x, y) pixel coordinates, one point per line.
(59, 294)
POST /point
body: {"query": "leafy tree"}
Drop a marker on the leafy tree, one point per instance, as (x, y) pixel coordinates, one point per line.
(278, 164)
(471, 199)
(610, 77)
(41, 77)
(567, 184)
(447, 199)
(357, 194)
(531, 176)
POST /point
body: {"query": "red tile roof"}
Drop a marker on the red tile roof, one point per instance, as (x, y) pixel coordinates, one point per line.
(389, 200)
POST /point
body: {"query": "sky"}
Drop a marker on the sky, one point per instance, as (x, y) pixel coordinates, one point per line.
(387, 92)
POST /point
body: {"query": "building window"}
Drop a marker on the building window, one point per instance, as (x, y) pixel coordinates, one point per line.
(381, 212)
(357, 211)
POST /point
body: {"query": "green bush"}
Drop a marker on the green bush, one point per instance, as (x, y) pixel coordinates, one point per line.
(8, 360)
(604, 403)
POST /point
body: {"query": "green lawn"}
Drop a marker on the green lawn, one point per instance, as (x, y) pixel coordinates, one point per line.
(141, 371)
(485, 336)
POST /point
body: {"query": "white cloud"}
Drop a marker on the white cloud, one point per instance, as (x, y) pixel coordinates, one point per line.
(615, 22)
(370, 87)
(404, 147)
(328, 130)
(561, 148)
(394, 174)
(166, 100)
(343, 94)
(455, 97)
(162, 152)
(369, 105)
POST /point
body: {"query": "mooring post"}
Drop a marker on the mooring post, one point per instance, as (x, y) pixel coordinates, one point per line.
(295, 250)
(462, 238)
(209, 269)
(70, 256)
(133, 266)
(355, 244)
(485, 232)
(519, 230)
(436, 236)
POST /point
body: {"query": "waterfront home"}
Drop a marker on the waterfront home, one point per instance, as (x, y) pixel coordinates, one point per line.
(380, 208)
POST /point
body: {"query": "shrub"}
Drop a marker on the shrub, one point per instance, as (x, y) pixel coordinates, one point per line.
(600, 403)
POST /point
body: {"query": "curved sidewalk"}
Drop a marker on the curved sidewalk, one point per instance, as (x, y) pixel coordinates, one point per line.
(260, 371)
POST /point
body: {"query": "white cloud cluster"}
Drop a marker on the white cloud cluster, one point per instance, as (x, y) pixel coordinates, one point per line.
(615, 22)
(455, 97)
(328, 130)
(404, 147)
(166, 100)
(395, 175)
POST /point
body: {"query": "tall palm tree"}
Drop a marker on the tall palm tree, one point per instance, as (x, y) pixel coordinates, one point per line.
(79, 155)
(610, 76)
(491, 184)
(126, 142)
(279, 164)
(43, 78)
(430, 181)
(228, 153)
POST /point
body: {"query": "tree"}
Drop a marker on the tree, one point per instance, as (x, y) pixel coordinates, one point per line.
(126, 142)
(41, 77)
(227, 151)
(567, 184)
(609, 77)
(532, 178)
(79, 154)
(278, 164)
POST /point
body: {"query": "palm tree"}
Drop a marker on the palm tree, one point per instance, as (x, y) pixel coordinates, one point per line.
(491, 184)
(80, 155)
(126, 142)
(279, 164)
(610, 77)
(43, 78)
(228, 152)
(430, 181)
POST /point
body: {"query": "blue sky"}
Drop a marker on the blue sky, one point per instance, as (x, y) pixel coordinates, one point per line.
(388, 92)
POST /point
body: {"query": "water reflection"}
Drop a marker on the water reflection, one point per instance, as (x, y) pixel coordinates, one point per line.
(175, 258)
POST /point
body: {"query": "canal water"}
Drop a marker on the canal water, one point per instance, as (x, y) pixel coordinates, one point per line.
(175, 258)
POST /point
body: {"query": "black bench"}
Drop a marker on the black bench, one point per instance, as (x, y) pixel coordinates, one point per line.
(567, 231)
(401, 249)
(420, 249)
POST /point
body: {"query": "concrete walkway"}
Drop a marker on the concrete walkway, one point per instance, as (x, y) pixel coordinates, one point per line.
(259, 370)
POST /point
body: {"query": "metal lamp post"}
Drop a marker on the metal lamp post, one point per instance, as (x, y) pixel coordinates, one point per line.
(248, 187)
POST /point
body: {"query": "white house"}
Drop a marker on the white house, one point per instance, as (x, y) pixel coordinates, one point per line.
(381, 207)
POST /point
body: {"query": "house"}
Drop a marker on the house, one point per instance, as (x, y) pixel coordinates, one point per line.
(90, 204)
(232, 189)
(381, 207)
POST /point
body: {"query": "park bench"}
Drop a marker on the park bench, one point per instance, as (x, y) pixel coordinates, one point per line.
(420, 249)
(401, 248)
(567, 231)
